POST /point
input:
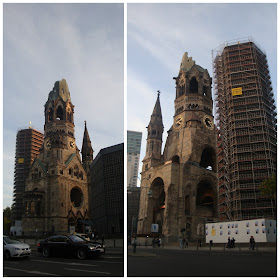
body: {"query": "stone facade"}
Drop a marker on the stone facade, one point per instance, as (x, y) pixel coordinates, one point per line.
(56, 194)
(179, 187)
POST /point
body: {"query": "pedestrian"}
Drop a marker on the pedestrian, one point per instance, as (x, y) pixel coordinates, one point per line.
(252, 243)
(181, 242)
(199, 242)
(187, 243)
(159, 242)
(184, 242)
(233, 242)
(229, 243)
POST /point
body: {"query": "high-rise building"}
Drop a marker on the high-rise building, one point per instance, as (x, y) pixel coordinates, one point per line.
(133, 156)
(179, 187)
(133, 197)
(28, 144)
(107, 190)
(246, 121)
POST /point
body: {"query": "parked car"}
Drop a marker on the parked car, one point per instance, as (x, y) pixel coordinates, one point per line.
(14, 248)
(70, 245)
(83, 235)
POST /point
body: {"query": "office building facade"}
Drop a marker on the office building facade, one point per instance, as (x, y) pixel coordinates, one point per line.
(133, 156)
(107, 190)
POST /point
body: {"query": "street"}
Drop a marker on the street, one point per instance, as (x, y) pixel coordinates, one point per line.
(110, 264)
(175, 262)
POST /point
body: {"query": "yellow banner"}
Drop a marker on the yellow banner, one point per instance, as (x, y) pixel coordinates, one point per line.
(236, 91)
(21, 160)
(213, 232)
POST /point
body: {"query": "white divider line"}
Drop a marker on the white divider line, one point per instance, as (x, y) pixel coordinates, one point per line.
(32, 272)
(101, 272)
(84, 264)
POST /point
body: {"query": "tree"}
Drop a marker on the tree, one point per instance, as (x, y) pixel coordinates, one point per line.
(269, 187)
(7, 213)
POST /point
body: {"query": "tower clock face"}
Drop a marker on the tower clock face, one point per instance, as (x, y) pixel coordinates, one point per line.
(72, 144)
(178, 122)
(208, 122)
(48, 144)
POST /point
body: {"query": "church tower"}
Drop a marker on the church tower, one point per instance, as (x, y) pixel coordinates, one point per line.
(56, 196)
(179, 191)
(87, 151)
(154, 139)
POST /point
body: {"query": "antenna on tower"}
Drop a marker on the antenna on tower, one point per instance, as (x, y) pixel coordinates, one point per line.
(158, 92)
(30, 125)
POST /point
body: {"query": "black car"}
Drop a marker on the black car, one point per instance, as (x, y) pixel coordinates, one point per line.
(70, 245)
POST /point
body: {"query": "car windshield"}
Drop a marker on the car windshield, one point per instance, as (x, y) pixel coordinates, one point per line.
(77, 239)
(11, 241)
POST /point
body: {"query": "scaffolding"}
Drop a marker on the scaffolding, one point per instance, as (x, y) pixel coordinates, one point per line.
(245, 115)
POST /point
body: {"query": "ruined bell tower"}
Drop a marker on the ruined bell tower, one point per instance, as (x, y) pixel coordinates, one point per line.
(179, 187)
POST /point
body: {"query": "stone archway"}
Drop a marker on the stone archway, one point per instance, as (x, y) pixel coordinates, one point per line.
(205, 199)
(208, 159)
(158, 193)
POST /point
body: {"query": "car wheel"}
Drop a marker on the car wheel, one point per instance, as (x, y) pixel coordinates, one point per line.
(81, 254)
(7, 255)
(46, 252)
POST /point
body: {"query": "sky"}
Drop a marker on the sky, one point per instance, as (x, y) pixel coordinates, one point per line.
(159, 34)
(44, 43)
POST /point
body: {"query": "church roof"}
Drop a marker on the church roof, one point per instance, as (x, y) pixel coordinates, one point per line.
(40, 164)
(188, 63)
(156, 117)
(86, 139)
(70, 159)
(60, 89)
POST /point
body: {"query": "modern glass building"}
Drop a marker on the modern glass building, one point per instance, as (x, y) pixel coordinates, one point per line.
(133, 156)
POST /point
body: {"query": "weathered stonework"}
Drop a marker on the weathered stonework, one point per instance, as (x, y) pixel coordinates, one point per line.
(56, 194)
(179, 187)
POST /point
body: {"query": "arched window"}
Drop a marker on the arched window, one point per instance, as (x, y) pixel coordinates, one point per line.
(187, 205)
(193, 85)
(205, 195)
(59, 113)
(176, 159)
(32, 207)
(50, 115)
(208, 159)
(204, 90)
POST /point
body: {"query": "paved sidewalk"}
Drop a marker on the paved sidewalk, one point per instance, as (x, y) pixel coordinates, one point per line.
(150, 252)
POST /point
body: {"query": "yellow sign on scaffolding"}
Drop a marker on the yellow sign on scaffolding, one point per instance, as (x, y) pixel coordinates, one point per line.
(21, 160)
(236, 91)
(213, 232)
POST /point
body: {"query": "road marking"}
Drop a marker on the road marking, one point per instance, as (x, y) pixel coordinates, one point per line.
(66, 263)
(112, 257)
(33, 272)
(102, 272)
(108, 262)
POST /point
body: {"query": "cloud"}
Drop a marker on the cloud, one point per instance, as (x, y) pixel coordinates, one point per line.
(82, 43)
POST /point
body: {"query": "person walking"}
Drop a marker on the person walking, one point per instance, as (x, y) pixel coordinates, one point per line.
(233, 242)
(252, 243)
(187, 243)
(184, 242)
(229, 243)
(181, 242)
